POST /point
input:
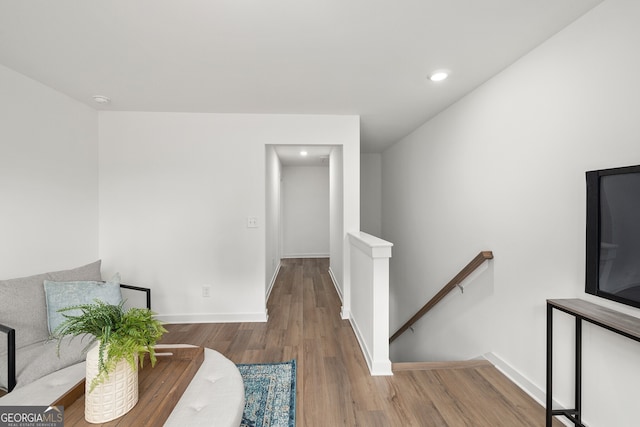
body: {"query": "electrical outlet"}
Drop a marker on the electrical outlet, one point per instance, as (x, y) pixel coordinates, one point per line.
(206, 291)
(252, 222)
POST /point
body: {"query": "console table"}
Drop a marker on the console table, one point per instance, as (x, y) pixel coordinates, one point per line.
(606, 318)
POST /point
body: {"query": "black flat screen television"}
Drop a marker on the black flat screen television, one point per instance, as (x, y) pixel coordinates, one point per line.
(613, 234)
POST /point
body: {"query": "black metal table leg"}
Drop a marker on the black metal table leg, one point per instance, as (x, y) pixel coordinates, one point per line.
(549, 415)
(578, 366)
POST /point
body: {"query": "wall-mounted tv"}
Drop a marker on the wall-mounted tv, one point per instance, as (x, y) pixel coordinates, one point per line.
(613, 234)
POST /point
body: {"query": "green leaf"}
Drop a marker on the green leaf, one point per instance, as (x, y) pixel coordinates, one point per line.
(122, 335)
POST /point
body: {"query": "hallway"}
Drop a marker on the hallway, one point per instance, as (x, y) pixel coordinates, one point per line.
(334, 387)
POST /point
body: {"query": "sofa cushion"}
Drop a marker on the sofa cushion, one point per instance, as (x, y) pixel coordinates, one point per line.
(60, 295)
(47, 389)
(39, 359)
(23, 306)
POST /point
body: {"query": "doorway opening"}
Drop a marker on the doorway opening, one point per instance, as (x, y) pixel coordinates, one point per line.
(301, 204)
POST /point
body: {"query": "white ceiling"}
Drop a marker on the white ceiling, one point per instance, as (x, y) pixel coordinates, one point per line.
(365, 57)
(317, 155)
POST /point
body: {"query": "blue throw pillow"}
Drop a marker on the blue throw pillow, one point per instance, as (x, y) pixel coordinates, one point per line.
(65, 294)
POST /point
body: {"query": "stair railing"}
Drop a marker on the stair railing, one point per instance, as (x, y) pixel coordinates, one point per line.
(463, 274)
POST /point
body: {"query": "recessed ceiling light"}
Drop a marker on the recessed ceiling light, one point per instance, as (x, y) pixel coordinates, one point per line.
(100, 99)
(303, 153)
(438, 76)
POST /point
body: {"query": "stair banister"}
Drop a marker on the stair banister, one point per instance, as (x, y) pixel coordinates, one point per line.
(463, 274)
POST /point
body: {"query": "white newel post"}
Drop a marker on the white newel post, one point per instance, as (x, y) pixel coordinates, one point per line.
(369, 305)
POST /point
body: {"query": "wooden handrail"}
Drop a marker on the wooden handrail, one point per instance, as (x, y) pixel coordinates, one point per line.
(464, 273)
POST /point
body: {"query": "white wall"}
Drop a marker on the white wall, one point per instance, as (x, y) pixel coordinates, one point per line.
(336, 220)
(371, 193)
(305, 211)
(503, 170)
(48, 179)
(273, 220)
(175, 193)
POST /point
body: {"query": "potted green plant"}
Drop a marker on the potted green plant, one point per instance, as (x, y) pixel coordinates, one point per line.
(123, 337)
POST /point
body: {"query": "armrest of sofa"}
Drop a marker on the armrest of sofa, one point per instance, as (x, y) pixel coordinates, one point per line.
(138, 288)
(11, 356)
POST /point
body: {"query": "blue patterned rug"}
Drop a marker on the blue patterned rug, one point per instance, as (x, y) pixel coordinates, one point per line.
(270, 394)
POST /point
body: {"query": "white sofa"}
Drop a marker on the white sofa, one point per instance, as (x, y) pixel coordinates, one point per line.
(26, 352)
(28, 358)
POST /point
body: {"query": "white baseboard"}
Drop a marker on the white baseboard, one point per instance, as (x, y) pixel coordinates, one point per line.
(273, 280)
(363, 346)
(376, 367)
(343, 314)
(306, 256)
(524, 383)
(530, 388)
(335, 284)
(213, 317)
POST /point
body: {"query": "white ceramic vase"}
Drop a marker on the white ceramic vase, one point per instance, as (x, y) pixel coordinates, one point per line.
(115, 396)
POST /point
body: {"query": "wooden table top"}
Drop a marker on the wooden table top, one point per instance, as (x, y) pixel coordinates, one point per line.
(159, 389)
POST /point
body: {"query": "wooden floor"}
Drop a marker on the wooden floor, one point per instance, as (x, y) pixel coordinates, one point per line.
(334, 385)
